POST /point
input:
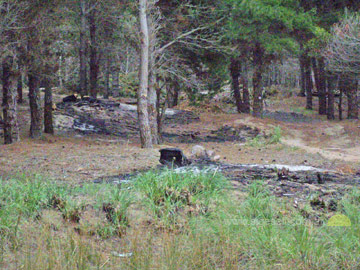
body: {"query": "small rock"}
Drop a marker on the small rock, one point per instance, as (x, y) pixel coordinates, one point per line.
(210, 153)
(216, 158)
(198, 151)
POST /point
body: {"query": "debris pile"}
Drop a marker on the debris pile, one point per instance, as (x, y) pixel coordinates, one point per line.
(90, 115)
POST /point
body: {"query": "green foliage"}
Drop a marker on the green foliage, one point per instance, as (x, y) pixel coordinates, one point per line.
(129, 83)
(269, 23)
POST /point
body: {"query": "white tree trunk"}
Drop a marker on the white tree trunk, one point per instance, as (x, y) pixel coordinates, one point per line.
(144, 124)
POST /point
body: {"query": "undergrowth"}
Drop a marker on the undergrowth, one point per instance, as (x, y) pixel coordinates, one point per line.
(168, 220)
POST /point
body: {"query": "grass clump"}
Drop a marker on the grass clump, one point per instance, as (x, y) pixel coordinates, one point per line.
(262, 141)
(171, 195)
(22, 198)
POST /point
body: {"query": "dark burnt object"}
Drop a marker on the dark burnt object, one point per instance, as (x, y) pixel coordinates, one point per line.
(173, 156)
(71, 98)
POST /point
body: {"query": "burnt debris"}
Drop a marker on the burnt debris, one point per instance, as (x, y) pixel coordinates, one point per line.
(173, 157)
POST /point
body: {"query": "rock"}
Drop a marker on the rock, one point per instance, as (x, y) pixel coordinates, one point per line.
(173, 156)
(216, 158)
(198, 151)
(210, 153)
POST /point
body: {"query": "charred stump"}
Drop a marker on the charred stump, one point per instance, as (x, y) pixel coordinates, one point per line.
(173, 156)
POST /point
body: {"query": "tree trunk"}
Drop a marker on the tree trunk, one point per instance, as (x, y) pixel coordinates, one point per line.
(20, 87)
(257, 80)
(144, 123)
(107, 77)
(82, 50)
(48, 104)
(331, 85)
(351, 92)
(340, 105)
(152, 94)
(35, 105)
(10, 124)
(245, 87)
(302, 76)
(61, 72)
(308, 83)
(160, 115)
(94, 58)
(235, 75)
(152, 110)
(322, 86)
(315, 67)
(115, 81)
(174, 101)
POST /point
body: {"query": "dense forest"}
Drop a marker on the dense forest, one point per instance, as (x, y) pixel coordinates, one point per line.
(156, 50)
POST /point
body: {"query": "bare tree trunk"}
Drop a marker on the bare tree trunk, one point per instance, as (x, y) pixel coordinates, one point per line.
(176, 91)
(159, 113)
(322, 86)
(115, 81)
(245, 86)
(257, 81)
(331, 85)
(61, 72)
(144, 123)
(308, 83)
(340, 105)
(94, 58)
(107, 77)
(235, 75)
(82, 50)
(351, 91)
(152, 109)
(10, 124)
(35, 105)
(315, 68)
(20, 85)
(302, 76)
(34, 83)
(152, 93)
(48, 104)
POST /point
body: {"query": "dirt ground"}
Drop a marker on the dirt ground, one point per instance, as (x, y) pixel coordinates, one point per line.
(307, 139)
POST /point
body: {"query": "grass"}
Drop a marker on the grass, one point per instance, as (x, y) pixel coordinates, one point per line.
(262, 141)
(168, 220)
(303, 111)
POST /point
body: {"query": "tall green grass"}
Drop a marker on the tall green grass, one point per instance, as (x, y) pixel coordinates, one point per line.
(204, 226)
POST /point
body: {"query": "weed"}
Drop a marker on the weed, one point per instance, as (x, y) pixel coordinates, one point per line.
(262, 141)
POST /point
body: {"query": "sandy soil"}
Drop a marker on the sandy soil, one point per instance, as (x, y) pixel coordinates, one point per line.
(76, 158)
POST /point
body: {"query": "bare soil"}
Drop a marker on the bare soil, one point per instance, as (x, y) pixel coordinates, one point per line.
(76, 157)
